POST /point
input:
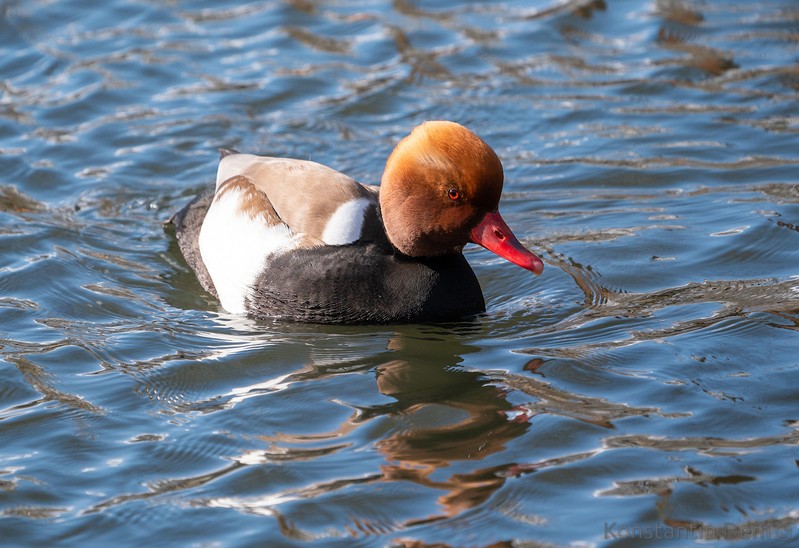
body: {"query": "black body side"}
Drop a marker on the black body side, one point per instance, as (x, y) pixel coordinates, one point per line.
(365, 283)
(356, 284)
(188, 222)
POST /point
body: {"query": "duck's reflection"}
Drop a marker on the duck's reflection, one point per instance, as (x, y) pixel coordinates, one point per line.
(472, 423)
(440, 414)
(473, 412)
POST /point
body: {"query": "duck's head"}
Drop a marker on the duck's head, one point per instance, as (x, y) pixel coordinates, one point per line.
(441, 190)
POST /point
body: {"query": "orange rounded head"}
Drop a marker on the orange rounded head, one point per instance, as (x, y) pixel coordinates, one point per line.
(441, 189)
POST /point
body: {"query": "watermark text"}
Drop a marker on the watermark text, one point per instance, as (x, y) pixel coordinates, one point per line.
(729, 531)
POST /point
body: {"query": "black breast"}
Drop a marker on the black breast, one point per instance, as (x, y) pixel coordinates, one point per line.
(365, 283)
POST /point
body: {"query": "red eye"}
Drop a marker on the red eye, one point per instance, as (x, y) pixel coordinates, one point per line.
(454, 194)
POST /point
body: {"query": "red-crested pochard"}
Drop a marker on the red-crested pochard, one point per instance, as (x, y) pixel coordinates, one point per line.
(293, 239)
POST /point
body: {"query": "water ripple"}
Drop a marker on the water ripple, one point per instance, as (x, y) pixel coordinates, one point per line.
(648, 158)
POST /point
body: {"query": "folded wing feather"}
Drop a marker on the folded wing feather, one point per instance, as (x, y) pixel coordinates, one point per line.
(309, 198)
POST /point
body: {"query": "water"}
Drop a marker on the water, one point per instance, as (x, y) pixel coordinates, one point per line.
(644, 386)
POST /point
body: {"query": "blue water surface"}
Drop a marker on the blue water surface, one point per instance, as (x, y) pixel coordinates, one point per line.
(642, 391)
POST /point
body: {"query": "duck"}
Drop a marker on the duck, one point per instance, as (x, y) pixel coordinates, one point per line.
(290, 239)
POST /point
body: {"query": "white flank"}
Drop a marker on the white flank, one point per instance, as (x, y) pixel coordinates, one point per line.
(235, 245)
(344, 226)
(232, 165)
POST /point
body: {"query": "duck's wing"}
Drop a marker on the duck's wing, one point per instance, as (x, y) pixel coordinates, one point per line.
(239, 233)
(311, 199)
